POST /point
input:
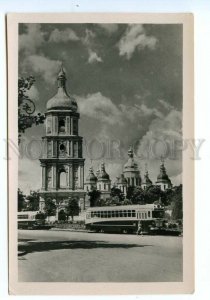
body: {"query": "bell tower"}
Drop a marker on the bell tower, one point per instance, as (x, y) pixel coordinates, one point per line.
(62, 161)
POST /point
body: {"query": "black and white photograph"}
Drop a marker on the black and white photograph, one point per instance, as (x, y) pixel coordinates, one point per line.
(99, 130)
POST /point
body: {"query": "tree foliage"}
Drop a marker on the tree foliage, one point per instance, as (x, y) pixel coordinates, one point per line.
(62, 216)
(177, 203)
(94, 197)
(26, 106)
(33, 201)
(50, 207)
(72, 208)
(21, 200)
(115, 192)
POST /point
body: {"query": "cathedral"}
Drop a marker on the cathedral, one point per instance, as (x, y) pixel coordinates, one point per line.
(62, 162)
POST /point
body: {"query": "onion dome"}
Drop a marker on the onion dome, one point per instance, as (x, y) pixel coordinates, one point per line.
(147, 180)
(103, 174)
(163, 177)
(62, 100)
(91, 178)
(130, 165)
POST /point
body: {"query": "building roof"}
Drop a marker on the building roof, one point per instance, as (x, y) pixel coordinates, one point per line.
(147, 180)
(91, 178)
(163, 177)
(103, 175)
(131, 165)
(61, 100)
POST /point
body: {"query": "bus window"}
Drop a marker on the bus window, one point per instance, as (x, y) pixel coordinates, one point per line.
(148, 214)
(142, 215)
(145, 214)
(109, 213)
(129, 213)
(105, 214)
(133, 213)
(125, 213)
(92, 214)
(113, 214)
(117, 214)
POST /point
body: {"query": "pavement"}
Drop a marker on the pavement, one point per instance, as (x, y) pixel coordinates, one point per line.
(67, 256)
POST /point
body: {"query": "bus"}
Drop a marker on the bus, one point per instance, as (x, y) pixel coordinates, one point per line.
(31, 220)
(125, 218)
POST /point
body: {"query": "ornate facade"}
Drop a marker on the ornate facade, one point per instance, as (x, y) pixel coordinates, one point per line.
(62, 162)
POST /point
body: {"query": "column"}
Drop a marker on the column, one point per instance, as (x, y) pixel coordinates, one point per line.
(71, 177)
(71, 126)
(82, 177)
(44, 176)
(79, 177)
(54, 176)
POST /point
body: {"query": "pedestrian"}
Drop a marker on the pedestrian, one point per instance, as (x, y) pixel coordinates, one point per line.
(139, 230)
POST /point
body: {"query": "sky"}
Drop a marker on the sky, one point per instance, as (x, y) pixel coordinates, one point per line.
(127, 80)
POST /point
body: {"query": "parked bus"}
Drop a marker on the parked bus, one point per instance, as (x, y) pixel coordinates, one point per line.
(31, 220)
(124, 219)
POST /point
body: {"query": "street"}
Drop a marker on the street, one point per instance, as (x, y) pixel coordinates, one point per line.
(64, 256)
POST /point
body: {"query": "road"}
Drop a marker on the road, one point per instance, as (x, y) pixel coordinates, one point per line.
(64, 256)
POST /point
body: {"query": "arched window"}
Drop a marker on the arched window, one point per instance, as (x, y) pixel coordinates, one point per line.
(62, 179)
(61, 125)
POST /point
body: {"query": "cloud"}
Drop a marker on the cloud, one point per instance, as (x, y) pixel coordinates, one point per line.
(134, 38)
(43, 66)
(132, 112)
(66, 35)
(33, 93)
(109, 28)
(160, 138)
(165, 104)
(93, 57)
(100, 108)
(87, 41)
(32, 39)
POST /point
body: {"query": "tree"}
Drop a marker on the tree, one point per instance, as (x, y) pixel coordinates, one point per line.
(33, 201)
(177, 204)
(117, 192)
(114, 201)
(94, 197)
(101, 202)
(21, 200)
(154, 194)
(136, 195)
(62, 216)
(126, 202)
(72, 208)
(26, 107)
(50, 207)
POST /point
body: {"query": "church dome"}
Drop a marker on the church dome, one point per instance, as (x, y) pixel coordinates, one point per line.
(130, 165)
(61, 100)
(91, 176)
(147, 180)
(163, 177)
(103, 174)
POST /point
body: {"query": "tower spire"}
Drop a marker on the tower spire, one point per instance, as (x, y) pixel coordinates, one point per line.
(61, 78)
